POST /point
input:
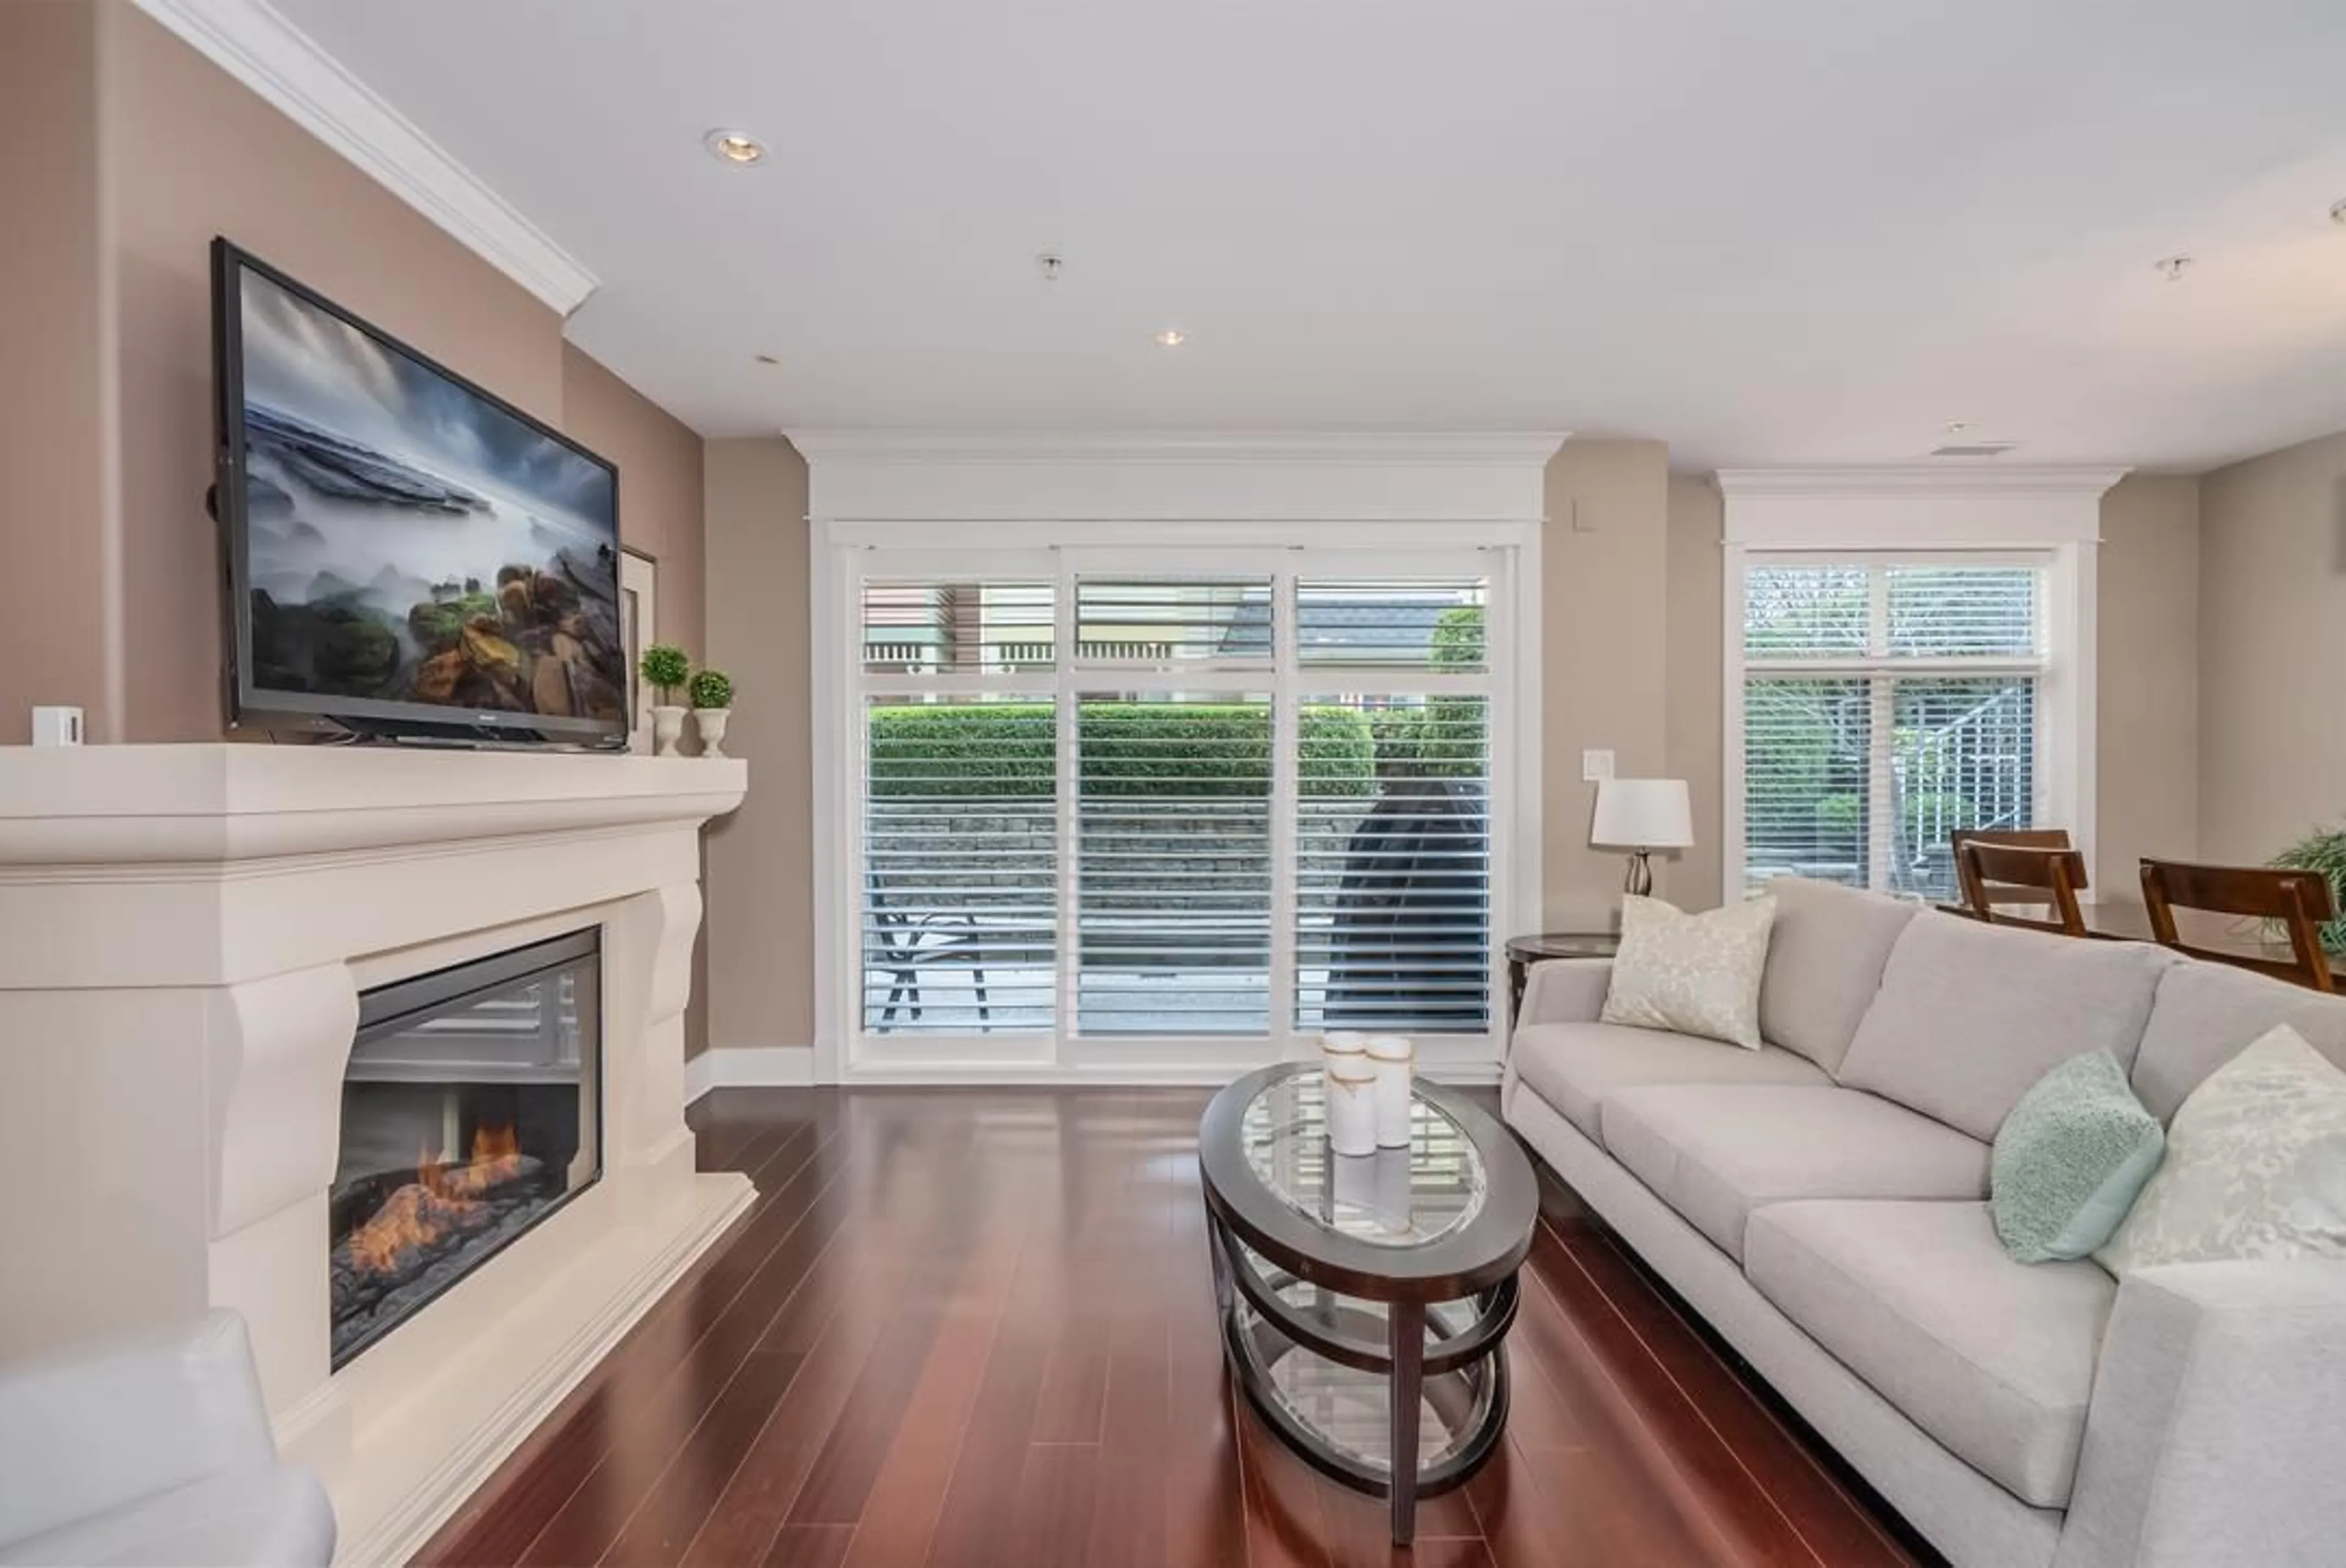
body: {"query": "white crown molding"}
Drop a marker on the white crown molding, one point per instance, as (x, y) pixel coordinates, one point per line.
(1914, 508)
(1416, 448)
(252, 43)
(1097, 476)
(1920, 479)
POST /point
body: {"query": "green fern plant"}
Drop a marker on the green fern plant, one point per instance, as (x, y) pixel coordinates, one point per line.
(2324, 850)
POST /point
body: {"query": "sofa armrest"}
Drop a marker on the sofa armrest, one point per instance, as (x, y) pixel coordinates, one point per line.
(2218, 1415)
(89, 1432)
(1565, 991)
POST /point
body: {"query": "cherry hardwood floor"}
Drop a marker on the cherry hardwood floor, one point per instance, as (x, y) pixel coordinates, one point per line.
(975, 1327)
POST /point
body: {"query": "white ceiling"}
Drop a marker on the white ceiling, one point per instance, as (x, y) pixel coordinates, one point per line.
(1767, 231)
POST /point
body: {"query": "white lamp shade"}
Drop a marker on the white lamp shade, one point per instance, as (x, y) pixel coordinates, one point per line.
(1642, 814)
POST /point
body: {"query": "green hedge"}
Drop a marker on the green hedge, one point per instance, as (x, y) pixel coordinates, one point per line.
(934, 751)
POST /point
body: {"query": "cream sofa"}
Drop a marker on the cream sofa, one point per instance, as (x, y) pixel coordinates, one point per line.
(1821, 1203)
(153, 1449)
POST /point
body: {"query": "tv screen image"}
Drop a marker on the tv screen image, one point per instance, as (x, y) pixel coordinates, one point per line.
(404, 546)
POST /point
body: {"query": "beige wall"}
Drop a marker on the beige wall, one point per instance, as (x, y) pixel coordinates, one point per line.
(2272, 636)
(2147, 790)
(660, 500)
(190, 153)
(660, 463)
(57, 641)
(762, 858)
(107, 371)
(1604, 562)
(1696, 662)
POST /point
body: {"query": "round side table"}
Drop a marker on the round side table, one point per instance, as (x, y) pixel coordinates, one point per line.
(1522, 952)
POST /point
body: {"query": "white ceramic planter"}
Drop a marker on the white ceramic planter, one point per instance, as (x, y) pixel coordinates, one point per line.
(710, 721)
(1352, 1109)
(1393, 1059)
(668, 728)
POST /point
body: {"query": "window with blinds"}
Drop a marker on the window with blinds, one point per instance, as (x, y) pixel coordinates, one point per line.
(1886, 705)
(1230, 805)
(960, 890)
(1173, 883)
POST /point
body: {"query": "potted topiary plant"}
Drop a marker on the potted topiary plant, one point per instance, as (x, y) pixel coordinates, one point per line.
(712, 704)
(2324, 850)
(664, 668)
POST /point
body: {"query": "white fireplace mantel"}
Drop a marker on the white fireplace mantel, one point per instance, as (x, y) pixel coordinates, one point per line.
(184, 933)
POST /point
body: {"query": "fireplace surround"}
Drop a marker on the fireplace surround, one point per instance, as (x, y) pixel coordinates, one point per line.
(472, 1109)
(191, 929)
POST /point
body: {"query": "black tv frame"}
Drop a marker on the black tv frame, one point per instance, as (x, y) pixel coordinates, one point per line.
(325, 714)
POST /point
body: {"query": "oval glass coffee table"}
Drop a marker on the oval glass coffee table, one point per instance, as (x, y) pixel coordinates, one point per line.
(1365, 1298)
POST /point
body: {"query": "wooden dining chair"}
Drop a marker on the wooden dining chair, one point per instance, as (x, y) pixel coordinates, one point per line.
(2298, 901)
(1995, 870)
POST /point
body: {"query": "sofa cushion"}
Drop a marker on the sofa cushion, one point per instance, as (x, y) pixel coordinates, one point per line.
(1824, 965)
(1575, 1066)
(2070, 1160)
(1971, 1014)
(2256, 1166)
(1992, 1357)
(1691, 974)
(2208, 1013)
(1717, 1151)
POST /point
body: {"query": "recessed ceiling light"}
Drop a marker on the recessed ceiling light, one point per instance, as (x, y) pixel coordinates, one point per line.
(734, 147)
(1172, 338)
(1957, 426)
(2172, 268)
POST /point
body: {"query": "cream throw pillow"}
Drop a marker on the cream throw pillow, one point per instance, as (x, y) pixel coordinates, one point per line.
(1695, 973)
(2256, 1166)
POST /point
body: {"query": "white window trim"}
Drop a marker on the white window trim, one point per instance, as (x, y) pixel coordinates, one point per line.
(2051, 514)
(1379, 498)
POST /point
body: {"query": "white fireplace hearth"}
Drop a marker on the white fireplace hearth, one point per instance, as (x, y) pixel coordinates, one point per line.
(184, 934)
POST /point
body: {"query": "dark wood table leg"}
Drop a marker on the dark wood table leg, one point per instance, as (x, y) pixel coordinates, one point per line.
(1407, 1323)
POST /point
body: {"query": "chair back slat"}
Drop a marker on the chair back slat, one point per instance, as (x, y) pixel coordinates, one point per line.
(2298, 902)
(1996, 869)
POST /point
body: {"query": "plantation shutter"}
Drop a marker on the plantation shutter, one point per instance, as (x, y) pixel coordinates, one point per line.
(1173, 865)
(1886, 705)
(1392, 906)
(1132, 803)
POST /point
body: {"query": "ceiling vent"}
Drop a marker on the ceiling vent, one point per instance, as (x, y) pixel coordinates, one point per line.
(1975, 449)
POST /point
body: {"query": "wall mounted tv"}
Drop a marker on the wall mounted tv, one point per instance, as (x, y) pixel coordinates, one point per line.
(409, 556)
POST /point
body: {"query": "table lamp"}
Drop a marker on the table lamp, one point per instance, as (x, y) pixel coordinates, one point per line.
(1642, 815)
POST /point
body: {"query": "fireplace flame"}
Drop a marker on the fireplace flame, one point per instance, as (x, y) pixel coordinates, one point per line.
(445, 1189)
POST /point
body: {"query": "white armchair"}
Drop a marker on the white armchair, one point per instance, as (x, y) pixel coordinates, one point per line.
(152, 1451)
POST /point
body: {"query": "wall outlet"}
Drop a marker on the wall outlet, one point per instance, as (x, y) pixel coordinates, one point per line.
(56, 727)
(1595, 767)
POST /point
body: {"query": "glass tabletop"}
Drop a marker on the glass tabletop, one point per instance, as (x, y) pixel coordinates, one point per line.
(1393, 1198)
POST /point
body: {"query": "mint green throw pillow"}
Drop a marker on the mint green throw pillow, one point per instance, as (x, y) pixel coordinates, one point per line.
(2070, 1159)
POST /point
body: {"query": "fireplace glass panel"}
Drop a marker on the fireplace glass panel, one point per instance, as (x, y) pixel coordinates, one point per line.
(471, 1110)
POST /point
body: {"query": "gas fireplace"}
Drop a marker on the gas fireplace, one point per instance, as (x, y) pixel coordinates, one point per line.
(472, 1109)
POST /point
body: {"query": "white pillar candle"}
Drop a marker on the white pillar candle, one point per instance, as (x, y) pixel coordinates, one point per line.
(1389, 1056)
(1352, 1107)
(1346, 1044)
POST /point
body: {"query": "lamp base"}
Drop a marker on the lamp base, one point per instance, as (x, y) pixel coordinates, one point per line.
(1641, 874)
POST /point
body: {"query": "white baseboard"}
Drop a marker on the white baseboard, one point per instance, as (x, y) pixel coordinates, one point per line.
(748, 1067)
(1102, 1075)
(792, 1066)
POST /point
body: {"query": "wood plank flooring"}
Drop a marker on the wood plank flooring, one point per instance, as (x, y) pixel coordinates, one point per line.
(963, 1327)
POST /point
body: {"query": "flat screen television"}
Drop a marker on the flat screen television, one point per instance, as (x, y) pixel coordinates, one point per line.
(409, 555)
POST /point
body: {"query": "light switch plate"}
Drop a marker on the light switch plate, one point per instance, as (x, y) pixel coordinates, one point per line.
(1595, 767)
